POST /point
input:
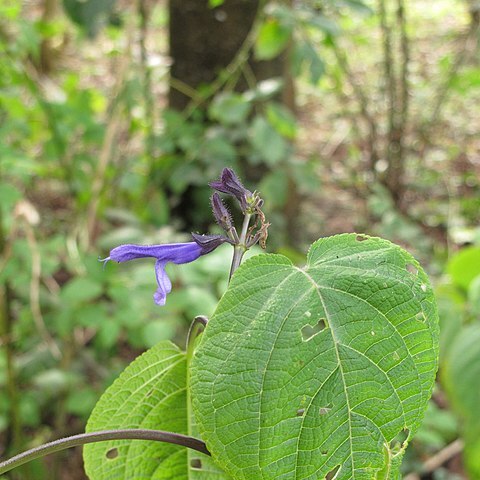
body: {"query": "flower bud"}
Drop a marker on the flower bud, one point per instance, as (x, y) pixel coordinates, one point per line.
(221, 213)
(209, 242)
(230, 183)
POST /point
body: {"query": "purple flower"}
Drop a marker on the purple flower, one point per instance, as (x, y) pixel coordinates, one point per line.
(171, 252)
(230, 183)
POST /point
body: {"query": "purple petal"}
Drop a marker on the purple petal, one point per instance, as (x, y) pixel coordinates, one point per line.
(170, 252)
(164, 283)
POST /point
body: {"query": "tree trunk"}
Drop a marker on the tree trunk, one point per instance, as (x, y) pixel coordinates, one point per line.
(205, 40)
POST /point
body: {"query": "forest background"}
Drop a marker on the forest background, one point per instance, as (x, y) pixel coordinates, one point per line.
(347, 115)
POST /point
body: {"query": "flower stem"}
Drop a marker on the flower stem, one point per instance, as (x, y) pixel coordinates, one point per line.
(199, 323)
(102, 436)
(241, 247)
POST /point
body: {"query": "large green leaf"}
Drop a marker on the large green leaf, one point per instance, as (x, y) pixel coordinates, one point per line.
(151, 394)
(307, 374)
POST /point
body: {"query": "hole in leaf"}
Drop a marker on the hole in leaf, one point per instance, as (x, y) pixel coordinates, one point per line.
(332, 473)
(325, 410)
(309, 332)
(423, 287)
(196, 463)
(411, 268)
(398, 443)
(112, 453)
(300, 412)
(149, 394)
(361, 238)
(420, 317)
(324, 452)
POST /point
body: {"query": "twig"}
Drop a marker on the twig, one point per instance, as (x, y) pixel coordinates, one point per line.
(469, 44)
(389, 69)
(362, 100)
(102, 436)
(398, 103)
(35, 293)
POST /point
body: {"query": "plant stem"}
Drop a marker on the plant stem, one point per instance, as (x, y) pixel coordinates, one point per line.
(198, 324)
(241, 248)
(102, 436)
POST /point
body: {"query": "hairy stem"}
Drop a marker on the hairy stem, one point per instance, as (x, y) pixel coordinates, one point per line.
(241, 248)
(196, 327)
(102, 436)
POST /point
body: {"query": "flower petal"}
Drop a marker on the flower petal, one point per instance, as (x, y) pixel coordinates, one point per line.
(169, 252)
(164, 283)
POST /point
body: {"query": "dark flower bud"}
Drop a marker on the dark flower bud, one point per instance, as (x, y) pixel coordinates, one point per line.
(209, 242)
(230, 183)
(221, 213)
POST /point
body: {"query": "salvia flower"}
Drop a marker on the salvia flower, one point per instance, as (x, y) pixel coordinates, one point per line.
(230, 183)
(171, 252)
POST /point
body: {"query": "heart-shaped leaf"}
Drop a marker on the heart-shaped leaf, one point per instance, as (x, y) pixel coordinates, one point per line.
(151, 393)
(321, 372)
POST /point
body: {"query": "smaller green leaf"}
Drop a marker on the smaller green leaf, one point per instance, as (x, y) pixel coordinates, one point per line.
(272, 39)
(464, 266)
(305, 57)
(151, 394)
(229, 108)
(358, 6)
(271, 146)
(275, 187)
(324, 24)
(81, 402)
(158, 330)
(79, 290)
(282, 120)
